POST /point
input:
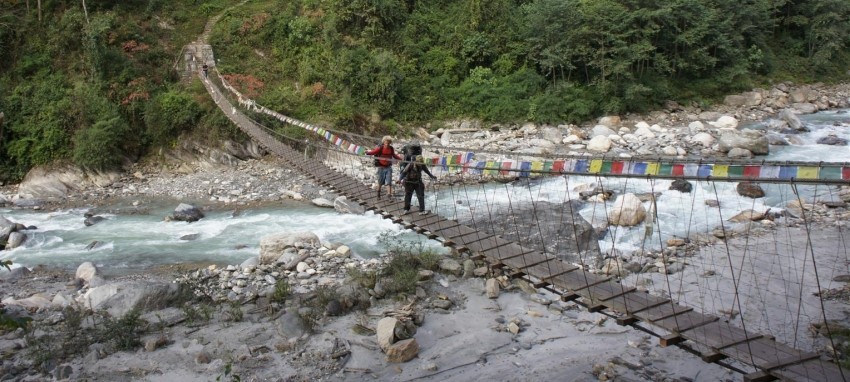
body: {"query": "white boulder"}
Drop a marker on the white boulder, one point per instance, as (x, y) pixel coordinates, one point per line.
(627, 211)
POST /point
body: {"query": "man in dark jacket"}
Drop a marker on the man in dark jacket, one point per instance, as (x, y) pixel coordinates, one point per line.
(412, 178)
(384, 155)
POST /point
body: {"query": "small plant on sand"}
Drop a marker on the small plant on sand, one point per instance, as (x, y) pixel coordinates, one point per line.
(51, 344)
(197, 314)
(124, 333)
(363, 278)
(315, 305)
(281, 292)
(233, 312)
(227, 374)
(401, 272)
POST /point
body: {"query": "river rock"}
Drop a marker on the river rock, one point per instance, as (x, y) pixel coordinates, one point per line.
(15, 240)
(644, 132)
(681, 185)
(725, 122)
(832, 140)
(34, 302)
(402, 351)
(57, 181)
(385, 332)
(342, 205)
(738, 152)
(290, 325)
(322, 202)
(599, 144)
(122, 297)
(804, 107)
(791, 119)
(746, 216)
(451, 266)
(552, 135)
(750, 190)
(86, 271)
(613, 267)
(610, 121)
(601, 130)
(703, 139)
(627, 211)
(752, 140)
(92, 220)
(273, 246)
(492, 288)
(187, 213)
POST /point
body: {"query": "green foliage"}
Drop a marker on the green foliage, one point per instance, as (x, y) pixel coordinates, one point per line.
(233, 312)
(52, 344)
(530, 60)
(74, 87)
(124, 333)
(401, 273)
(169, 114)
(197, 313)
(358, 64)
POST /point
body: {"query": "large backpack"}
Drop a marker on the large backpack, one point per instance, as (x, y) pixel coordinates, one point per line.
(409, 152)
(414, 175)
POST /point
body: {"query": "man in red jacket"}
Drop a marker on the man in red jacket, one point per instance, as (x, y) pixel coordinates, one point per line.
(384, 155)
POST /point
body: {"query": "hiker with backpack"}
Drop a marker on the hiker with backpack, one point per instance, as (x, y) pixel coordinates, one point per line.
(384, 155)
(412, 178)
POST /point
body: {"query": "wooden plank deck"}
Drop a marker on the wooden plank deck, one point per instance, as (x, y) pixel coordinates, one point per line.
(773, 360)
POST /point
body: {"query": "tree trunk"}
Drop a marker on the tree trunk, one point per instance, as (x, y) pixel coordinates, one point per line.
(39, 9)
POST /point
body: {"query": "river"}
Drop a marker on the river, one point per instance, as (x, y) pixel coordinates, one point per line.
(137, 238)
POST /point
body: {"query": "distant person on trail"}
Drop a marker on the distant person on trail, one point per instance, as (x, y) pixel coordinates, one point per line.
(206, 69)
(412, 177)
(384, 155)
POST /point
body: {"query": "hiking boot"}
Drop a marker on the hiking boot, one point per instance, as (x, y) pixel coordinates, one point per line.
(405, 212)
(423, 213)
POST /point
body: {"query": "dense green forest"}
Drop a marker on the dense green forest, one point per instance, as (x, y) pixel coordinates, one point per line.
(96, 85)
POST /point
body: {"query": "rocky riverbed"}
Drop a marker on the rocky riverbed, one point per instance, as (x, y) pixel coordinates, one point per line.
(308, 310)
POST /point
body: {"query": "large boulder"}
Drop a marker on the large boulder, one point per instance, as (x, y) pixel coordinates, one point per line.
(86, 271)
(385, 332)
(57, 182)
(322, 202)
(610, 121)
(792, 119)
(15, 240)
(832, 140)
(747, 216)
(120, 298)
(750, 190)
(752, 140)
(274, 245)
(187, 213)
(681, 185)
(804, 108)
(601, 130)
(627, 211)
(343, 205)
(599, 143)
(402, 351)
(92, 220)
(704, 139)
(725, 122)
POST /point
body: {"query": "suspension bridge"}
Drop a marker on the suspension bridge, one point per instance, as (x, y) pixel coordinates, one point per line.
(533, 235)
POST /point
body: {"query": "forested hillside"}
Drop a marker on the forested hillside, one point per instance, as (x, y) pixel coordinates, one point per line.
(88, 85)
(96, 86)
